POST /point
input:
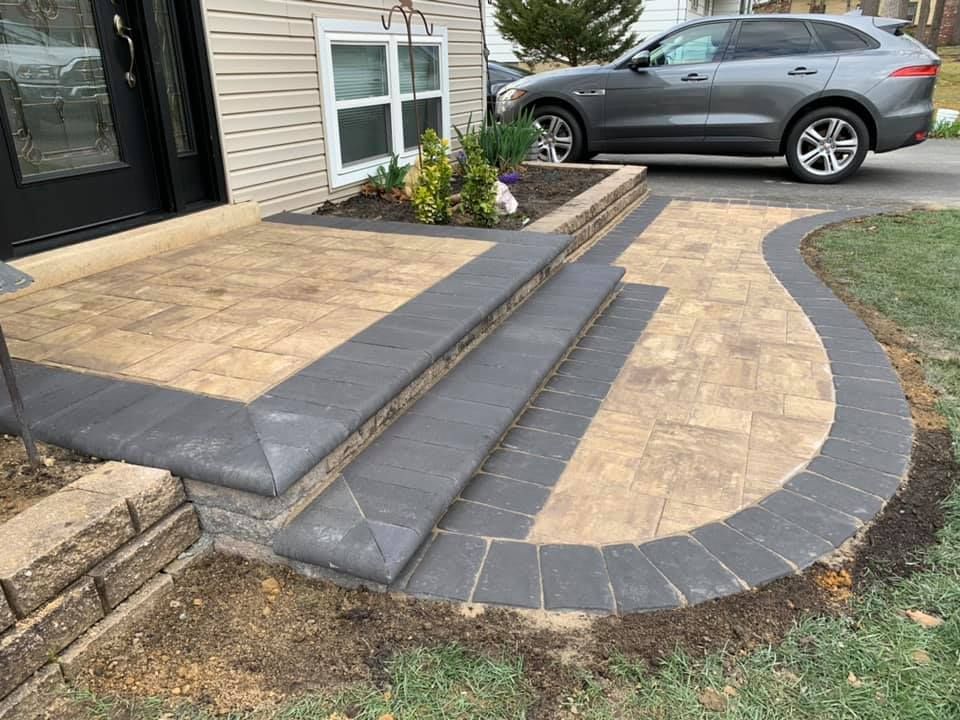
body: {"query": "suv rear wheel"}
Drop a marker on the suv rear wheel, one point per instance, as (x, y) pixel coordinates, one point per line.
(561, 138)
(827, 145)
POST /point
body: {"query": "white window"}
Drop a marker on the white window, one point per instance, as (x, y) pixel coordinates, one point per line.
(368, 110)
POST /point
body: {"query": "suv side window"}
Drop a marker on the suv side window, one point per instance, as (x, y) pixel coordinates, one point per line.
(702, 43)
(772, 38)
(835, 38)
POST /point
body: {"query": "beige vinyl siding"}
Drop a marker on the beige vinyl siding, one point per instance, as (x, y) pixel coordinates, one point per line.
(268, 89)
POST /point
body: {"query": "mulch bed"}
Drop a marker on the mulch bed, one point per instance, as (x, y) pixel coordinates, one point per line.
(228, 643)
(541, 191)
(21, 486)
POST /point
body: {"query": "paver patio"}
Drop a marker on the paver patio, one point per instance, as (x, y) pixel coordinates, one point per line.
(619, 461)
(232, 316)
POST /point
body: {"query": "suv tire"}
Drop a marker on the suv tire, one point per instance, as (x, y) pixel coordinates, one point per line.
(827, 145)
(564, 141)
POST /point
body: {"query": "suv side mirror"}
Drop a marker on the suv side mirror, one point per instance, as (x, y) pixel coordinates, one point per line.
(640, 60)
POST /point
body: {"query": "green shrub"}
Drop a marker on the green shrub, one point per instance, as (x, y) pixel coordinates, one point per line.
(431, 195)
(390, 179)
(505, 145)
(946, 130)
(479, 192)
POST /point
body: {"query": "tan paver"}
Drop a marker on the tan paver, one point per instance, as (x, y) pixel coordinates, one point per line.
(727, 393)
(233, 315)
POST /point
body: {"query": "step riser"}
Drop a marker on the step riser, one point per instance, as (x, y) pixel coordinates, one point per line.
(254, 518)
(372, 519)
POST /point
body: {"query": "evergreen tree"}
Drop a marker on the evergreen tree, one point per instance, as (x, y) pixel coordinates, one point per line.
(574, 32)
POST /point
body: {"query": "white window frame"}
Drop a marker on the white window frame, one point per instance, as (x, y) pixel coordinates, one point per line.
(345, 32)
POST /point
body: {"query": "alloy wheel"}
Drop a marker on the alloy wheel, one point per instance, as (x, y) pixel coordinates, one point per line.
(827, 146)
(556, 138)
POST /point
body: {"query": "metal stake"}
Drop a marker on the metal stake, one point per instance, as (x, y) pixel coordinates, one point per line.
(406, 10)
(11, 380)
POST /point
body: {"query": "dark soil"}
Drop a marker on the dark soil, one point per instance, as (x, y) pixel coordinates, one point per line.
(541, 191)
(229, 643)
(911, 520)
(21, 486)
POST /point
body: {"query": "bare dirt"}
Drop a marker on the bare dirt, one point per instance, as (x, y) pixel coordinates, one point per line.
(541, 191)
(243, 635)
(21, 485)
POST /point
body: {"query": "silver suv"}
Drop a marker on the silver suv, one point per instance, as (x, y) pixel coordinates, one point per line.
(820, 90)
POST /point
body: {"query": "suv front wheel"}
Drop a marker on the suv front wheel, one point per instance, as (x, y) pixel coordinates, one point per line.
(561, 139)
(827, 145)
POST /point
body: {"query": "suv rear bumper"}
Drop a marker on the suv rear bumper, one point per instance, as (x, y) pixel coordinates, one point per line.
(902, 131)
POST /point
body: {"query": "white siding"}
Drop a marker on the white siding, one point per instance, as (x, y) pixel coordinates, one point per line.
(501, 49)
(660, 15)
(268, 89)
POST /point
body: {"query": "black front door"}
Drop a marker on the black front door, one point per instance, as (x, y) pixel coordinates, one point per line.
(99, 123)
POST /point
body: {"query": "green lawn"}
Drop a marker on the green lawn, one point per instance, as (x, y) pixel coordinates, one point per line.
(908, 268)
(947, 94)
(873, 663)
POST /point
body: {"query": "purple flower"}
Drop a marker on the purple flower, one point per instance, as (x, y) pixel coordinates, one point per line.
(510, 178)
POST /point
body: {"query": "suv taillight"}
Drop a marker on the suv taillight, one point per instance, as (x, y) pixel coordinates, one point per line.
(917, 71)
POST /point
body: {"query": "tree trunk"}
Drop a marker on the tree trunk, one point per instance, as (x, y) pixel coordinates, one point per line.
(933, 38)
(870, 7)
(923, 17)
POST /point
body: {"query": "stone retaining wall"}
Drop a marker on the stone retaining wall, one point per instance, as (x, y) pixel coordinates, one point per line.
(592, 210)
(80, 565)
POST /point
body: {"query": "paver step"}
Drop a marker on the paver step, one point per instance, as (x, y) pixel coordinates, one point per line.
(372, 519)
(312, 419)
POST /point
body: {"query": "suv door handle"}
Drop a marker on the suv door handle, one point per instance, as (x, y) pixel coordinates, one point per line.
(802, 71)
(694, 77)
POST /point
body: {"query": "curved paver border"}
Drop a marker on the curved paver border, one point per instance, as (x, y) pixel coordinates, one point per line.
(858, 468)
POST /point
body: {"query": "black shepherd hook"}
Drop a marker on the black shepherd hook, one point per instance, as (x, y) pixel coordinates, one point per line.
(406, 9)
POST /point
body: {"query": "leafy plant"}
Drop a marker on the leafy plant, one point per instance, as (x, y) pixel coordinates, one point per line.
(431, 195)
(479, 192)
(573, 32)
(388, 180)
(946, 130)
(505, 145)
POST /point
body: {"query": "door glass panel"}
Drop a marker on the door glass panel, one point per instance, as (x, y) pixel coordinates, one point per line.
(53, 88)
(173, 78)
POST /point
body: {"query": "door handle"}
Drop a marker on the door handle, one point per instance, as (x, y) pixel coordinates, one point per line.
(802, 71)
(694, 77)
(120, 27)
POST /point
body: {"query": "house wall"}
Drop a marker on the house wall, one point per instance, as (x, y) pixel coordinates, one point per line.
(264, 57)
(660, 15)
(501, 49)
